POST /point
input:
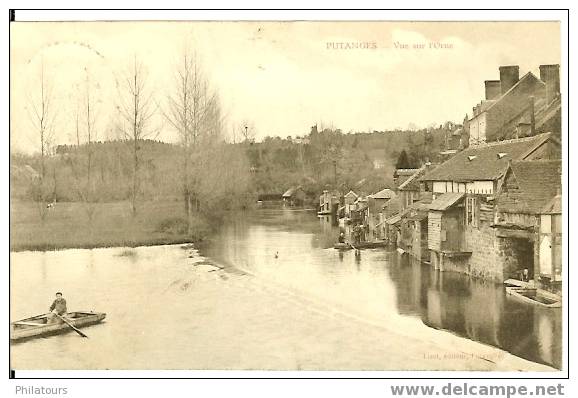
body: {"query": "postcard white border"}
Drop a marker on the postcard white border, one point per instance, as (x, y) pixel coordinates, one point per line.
(345, 387)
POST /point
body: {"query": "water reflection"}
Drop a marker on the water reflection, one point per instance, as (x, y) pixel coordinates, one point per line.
(385, 284)
(357, 254)
(148, 286)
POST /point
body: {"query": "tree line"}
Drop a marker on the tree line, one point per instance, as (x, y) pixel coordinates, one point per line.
(208, 168)
(201, 168)
(327, 158)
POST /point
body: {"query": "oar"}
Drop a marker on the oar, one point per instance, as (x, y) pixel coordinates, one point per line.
(72, 326)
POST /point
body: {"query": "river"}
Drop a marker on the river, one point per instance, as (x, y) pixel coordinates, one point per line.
(285, 300)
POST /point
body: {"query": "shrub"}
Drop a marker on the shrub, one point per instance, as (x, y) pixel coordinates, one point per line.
(173, 226)
(200, 227)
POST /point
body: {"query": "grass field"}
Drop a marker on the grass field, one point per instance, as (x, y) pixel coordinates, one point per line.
(66, 226)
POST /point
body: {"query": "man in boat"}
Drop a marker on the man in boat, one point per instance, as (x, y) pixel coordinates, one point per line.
(356, 234)
(341, 238)
(58, 307)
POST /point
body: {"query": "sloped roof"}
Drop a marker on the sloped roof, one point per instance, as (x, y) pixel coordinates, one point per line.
(423, 203)
(538, 181)
(417, 215)
(524, 117)
(548, 112)
(394, 219)
(404, 172)
(383, 194)
(412, 183)
(391, 207)
(446, 200)
(418, 210)
(351, 193)
(486, 105)
(554, 206)
(291, 191)
(481, 162)
(528, 75)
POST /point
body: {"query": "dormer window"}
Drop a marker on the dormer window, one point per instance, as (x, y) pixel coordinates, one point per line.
(501, 155)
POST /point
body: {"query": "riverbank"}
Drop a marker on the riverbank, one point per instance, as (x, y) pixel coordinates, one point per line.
(285, 300)
(66, 226)
(219, 319)
(315, 335)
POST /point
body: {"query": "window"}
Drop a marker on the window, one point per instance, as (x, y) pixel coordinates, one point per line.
(471, 211)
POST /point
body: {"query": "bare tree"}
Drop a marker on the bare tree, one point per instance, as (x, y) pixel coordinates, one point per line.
(193, 111)
(136, 109)
(76, 117)
(85, 114)
(90, 134)
(247, 131)
(42, 115)
(77, 125)
(234, 134)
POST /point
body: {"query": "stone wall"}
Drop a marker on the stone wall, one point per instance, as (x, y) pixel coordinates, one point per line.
(456, 264)
(419, 247)
(516, 254)
(485, 260)
(442, 262)
(497, 258)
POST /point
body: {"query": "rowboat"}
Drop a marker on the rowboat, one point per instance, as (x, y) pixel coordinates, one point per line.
(534, 296)
(342, 246)
(38, 326)
(360, 245)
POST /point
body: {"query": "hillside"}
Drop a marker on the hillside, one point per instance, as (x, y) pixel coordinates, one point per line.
(320, 160)
(111, 165)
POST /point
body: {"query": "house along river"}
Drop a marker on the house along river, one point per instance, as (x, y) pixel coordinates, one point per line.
(270, 292)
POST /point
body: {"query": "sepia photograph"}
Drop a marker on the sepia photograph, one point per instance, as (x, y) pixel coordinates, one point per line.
(291, 195)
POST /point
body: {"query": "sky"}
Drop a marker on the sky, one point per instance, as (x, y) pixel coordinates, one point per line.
(280, 77)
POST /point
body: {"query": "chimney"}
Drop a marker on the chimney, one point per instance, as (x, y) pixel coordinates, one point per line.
(493, 89)
(509, 75)
(550, 74)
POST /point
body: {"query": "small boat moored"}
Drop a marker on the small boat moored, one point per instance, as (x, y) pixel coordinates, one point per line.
(38, 326)
(342, 246)
(526, 292)
(360, 245)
